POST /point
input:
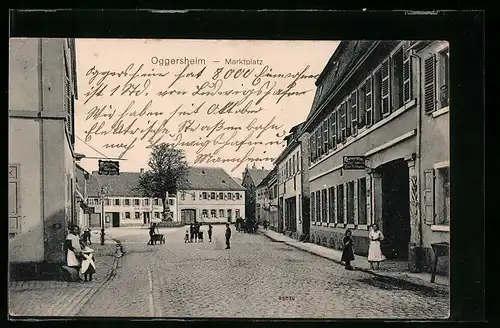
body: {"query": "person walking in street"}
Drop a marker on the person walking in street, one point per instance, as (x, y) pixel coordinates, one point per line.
(186, 237)
(196, 230)
(265, 224)
(375, 255)
(210, 233)
(200, 235)
(191, 232)
(86, 236)
(152, 230)
(228, 236)
(348, 252)
(88, 265)
(74, 250)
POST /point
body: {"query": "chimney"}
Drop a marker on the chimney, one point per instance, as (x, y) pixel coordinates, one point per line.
(142, 170)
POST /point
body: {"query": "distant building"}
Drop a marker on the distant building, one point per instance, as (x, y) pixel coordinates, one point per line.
(251, 178)
(124, 205)
(212, 197)
(267, 202)
(42, 183)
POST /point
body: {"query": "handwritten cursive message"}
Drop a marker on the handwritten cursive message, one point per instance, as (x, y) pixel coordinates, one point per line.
(220, 111)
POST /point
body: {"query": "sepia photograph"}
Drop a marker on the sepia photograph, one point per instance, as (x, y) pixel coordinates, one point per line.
(223, 178)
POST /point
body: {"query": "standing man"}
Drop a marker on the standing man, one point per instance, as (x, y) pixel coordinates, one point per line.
(210, 232)
(228, 236)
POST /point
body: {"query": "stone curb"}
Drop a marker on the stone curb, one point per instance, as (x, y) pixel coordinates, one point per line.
(389, 279)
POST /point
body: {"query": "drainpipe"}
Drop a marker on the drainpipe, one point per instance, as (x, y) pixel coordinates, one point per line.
(419, 142)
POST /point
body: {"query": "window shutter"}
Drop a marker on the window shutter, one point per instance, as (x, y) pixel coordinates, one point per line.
(361, 107)
(369, 201)
(354, 113)
(430, 84)
(386, 91)
(334, 130)
(330, 132)
(407, 76)
(429, 178)
(348, 117)
(369, 101)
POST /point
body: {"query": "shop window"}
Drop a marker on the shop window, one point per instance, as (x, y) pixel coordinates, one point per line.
(340, 204)
(362, 217)
(331, 205)
(350, 202)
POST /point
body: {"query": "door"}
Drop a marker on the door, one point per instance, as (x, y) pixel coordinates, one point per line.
(116, 219)
(146, 218)
(188, 216)
(229, 215)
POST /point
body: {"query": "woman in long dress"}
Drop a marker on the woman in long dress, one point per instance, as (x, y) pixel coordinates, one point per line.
(348, 252)
(73, 248)
(375, 255)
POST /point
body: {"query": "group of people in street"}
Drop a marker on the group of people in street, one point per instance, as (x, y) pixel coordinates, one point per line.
(246, 225)
(79, 257)
(195, 233)
(375, 255)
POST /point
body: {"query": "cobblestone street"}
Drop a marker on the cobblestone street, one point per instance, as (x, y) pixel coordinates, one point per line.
(255, 278)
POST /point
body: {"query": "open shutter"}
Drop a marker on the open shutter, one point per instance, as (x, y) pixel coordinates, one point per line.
(348, 117)
(369, 102)
(386, 91)
(407, 76)
(329, 122)
(333, 123)
(429, 212)
(354, 113)
(430, 84)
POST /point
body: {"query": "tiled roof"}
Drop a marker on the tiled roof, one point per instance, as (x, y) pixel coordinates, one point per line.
(268, 177)
(257, 175)
(199, 178)
(238, 180)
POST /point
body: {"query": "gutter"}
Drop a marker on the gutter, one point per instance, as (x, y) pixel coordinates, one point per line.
(334, 93)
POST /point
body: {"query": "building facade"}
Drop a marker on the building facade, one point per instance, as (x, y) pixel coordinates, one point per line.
(42, 200)
(124, 206)
(267, 200)
(251, 179)
(82, 209)
(369, 103)
(212, 196)
(290, 168)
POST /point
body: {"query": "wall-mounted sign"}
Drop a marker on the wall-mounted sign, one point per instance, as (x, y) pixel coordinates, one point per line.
(109, 167)
(354, 163)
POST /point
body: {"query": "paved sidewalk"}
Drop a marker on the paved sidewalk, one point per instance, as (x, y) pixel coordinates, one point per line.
(361, 263)
(60, 298)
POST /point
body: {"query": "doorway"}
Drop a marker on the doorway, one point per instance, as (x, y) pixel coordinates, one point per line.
(395, 209)
(116, 219)
(188, 216)
(146, 219)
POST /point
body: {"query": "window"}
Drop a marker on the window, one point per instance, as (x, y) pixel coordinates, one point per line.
(333, 129)
(340, 203)
(362, 218)
(350, 202)
(353, 102)
(229, 196)
(237, 213)
(343, 121)
(444, 77)
(318, 143)
(221, 213)
(238, 196)
(137, 215)
(298, 161)
(183, 195)
(127, 215)
(204, 194)
(14, 206)
(312, 148)
(157, 215)
(107, 202)
(156, 202)
(430, 84)
(313, 206)
(397, 79)
(93, 201)
(68, 101)
(361, 106)
(369, 101)
(137, 202)
(145, 202)
(331, 205)
(213, 213)
(204, 213)
(318, 206)
(326, 137)
(443, 196)
(324, 208)
(377, 96)
(170, 202)
(385, 88)
(212, 195)
(221, 195)
(294, 183)
(117, 202)
(193, 195)
(229, 213)
(127, 202)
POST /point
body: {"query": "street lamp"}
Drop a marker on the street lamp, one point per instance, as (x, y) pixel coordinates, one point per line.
(102, 215)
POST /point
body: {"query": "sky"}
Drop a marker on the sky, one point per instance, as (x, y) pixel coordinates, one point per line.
(226, 103)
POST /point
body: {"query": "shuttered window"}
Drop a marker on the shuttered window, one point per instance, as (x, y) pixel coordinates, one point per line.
(386, 90)
(340, 204)
(354, 113)
(331, 205)
(326, 137)
(324, 206)
(318, 206)
(429, 211)
(313, 207)
(430, 84)
(343, 121)
(369, 101)
(333, 128)
(318, 142)
(407, 76)
(362, 201)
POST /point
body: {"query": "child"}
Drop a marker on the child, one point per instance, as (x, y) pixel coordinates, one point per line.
(88, 265)
(186, 237)
(347, 252)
